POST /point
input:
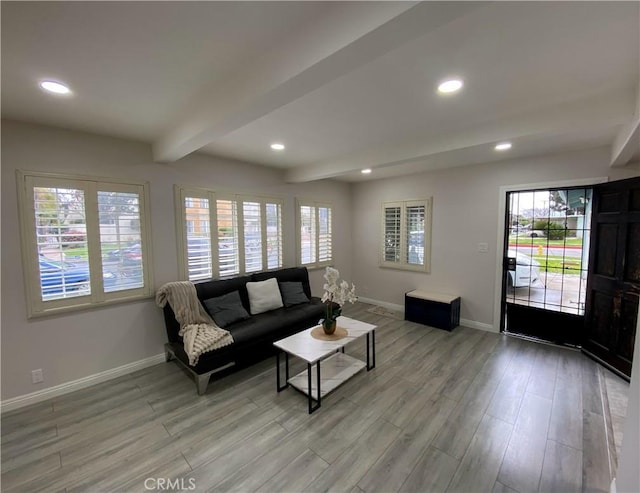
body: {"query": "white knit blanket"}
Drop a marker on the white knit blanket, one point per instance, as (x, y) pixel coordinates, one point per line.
(198, 331)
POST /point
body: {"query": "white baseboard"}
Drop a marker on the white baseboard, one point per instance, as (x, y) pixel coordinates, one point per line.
(477, 325)
(66, 388)
(384, 304)
(399, 308)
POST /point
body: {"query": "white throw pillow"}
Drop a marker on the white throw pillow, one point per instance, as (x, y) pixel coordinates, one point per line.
(264, 296)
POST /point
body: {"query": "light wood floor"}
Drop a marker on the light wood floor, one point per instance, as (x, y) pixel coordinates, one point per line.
(461, 411)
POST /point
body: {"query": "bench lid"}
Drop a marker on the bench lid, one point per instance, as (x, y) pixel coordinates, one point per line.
(431, 296)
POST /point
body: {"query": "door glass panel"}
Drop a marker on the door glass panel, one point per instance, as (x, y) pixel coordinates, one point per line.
(549, 238)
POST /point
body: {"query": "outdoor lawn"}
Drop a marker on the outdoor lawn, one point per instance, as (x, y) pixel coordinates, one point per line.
(525, 240)
(558, 264)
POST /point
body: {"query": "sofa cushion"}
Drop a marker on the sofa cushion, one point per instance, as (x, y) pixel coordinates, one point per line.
(289, 274)
(264, 296)
(215, 288)
(276, 324)
(293, 293)
(226, 309)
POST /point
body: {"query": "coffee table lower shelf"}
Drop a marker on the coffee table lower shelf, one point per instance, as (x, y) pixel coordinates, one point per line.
(327, 364)
(336, 370)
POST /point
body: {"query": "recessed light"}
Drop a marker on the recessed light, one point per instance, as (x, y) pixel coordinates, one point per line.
(54, 87)
(277, 147)
(449, 86)
(366, 171)
(503, 146)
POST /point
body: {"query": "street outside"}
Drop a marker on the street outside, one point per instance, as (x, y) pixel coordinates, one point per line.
(556, 290)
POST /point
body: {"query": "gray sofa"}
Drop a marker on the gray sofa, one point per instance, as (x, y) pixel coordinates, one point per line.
(253, 336)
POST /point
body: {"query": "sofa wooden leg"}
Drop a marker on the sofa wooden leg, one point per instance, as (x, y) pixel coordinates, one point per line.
(202, 381)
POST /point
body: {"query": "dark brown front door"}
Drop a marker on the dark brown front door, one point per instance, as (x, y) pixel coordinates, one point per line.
(613, 285)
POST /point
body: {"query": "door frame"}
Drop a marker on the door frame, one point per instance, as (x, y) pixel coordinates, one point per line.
(502, 211)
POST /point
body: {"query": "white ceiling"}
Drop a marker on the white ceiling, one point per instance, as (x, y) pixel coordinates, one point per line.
(344, 85)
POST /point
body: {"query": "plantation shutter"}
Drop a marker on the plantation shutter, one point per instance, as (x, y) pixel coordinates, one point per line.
(415, 234)
(252, 236)
(228, 238)
(273, 212)
(308, 234)
(325, 252)
(392, 233)
(119, 219)
(199, 257)
(54, 235)
(406, 235)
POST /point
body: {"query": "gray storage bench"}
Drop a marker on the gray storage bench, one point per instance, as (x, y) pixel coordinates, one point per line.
(434, 309)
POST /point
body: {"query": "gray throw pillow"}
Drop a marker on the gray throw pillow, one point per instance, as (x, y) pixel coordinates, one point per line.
(292, 293)
(226, 309)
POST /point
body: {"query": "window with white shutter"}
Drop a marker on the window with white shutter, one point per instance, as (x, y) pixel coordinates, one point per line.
(406, 235)
(85, 241)
(251, 217)
(392, 221)
(228, 238)
(199, 256)
(273, 212)
(315, 234)
(247, 236)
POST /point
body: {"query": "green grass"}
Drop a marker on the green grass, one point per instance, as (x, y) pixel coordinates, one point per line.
(83, 253)
(525, 240)
(558, 265)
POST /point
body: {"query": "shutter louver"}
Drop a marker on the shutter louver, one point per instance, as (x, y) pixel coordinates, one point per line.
(120, 240)
(415, 234)
(392, 224)
(307, 235)
(274, 235)
(60, 232)
(252, 236)
(228, 240)
(325, 252)
(199, 259)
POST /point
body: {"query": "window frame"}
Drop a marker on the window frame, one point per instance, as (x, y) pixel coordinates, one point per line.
(318, 264)
(403, 263)
(91, 185)
(181, 193)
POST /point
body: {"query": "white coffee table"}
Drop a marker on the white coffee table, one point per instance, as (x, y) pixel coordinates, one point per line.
(337, 367)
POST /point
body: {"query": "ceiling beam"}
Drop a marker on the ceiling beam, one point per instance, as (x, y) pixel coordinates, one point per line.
(351, 37)
(601, 112)
(626, 146)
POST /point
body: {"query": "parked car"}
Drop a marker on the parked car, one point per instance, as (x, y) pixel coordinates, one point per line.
(62, 278)
(527, 270)
(531, 233)
(131, 254)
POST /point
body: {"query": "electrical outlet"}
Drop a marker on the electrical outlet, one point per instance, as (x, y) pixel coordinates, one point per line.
(37, 376)
(483, 247)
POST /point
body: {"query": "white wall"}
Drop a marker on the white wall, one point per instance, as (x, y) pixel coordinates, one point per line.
(465, 213)
(73, 346)
(628, 474)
